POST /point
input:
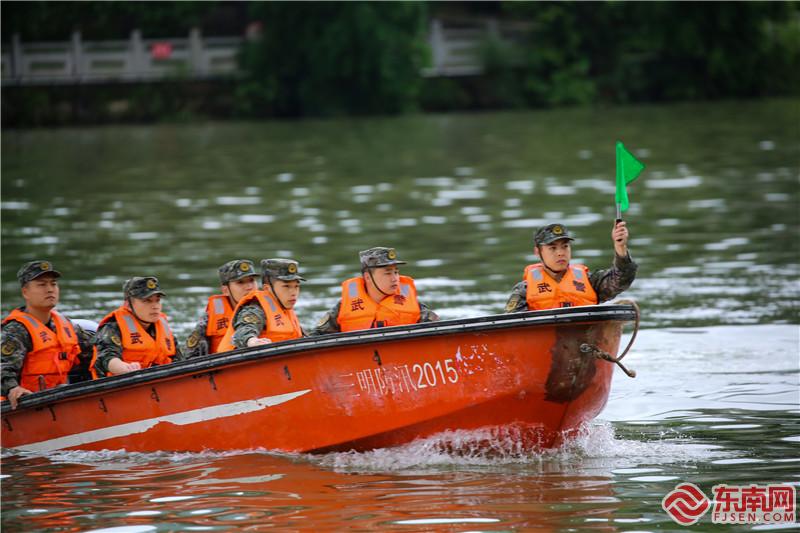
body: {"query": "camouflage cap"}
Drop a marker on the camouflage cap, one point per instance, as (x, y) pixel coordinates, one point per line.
(379, 257)
(139, 287)
(34, 269)
(282, 269)
(236, 269)
(551, 233)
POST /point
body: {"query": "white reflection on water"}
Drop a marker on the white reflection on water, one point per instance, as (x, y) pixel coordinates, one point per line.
(437, 521)
(462, 194)
(256, 219)
(441, 181)
(604, 186)
(524, 223)
(724, 244)
(675, 183)
(47, 239)
(21, 206)
(582, 219)
(523, 186)
(718, 204)
(561, 190)
(708, 368)
(123, 529)
(237, 200)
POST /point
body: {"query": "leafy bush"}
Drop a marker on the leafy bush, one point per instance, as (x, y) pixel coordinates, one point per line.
(331, 58)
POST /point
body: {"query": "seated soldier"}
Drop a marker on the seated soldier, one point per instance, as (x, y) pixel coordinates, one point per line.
(380, 297)
(136, 334)
(267, 315)
(41, 348)
(237, 278)
(555, 282)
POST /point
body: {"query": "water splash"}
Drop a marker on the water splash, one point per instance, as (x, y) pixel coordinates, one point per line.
(594, 445)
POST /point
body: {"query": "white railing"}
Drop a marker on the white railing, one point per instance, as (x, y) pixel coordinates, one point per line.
(457, 47)
(455, 51)
(136, 59)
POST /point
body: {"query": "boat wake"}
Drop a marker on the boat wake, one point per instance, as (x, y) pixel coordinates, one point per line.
(592, 445)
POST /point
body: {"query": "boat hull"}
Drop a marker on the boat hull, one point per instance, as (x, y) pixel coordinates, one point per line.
(523, 373)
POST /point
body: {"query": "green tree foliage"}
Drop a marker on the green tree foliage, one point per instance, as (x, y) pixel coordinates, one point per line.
(55, 21)
(577, 53)
(330, 58)
(706, 49)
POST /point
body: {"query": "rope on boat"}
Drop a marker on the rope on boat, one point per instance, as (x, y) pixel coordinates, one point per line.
(593, 350)
(635, 327)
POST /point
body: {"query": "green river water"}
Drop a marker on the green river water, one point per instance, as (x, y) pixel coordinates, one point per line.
(715, 228)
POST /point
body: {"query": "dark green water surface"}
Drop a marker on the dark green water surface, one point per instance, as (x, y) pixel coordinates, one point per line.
(714, 227)
(713, 221)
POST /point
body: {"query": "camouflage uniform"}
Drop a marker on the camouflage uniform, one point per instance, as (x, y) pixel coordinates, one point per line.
(197, 343)
(17, 342)
(108, 339)
(606, 283)
(371, 258)
(250, 320)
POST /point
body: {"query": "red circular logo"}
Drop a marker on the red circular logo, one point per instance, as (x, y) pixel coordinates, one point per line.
(686, 504)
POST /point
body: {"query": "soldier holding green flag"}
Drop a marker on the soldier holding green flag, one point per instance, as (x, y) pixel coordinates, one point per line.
(556, 282)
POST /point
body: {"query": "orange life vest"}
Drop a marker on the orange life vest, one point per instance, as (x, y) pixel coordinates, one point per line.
(54, 352)
(282, 324)
(544, 292)
(220, 314)
(137, 344)
(358, 310)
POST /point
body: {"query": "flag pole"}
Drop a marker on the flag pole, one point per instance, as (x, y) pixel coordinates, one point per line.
(628, 169)
(618, 162)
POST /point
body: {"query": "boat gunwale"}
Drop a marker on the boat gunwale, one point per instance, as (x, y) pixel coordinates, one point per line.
(212, 362)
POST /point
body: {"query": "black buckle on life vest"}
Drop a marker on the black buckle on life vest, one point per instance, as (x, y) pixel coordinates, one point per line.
(63, 356)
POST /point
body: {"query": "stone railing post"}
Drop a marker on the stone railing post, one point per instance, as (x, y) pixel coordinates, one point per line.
(137, 54)
(77, 55)
(493, 28)
(437, 45)
(196, 52)
(16, 56)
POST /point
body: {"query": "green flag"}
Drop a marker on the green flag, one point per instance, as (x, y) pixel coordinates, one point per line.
(628, 169)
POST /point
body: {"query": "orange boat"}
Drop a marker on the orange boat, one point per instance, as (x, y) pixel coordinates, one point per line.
(535, 375)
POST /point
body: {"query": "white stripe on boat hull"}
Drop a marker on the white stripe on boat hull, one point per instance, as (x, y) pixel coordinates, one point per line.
(181, 419)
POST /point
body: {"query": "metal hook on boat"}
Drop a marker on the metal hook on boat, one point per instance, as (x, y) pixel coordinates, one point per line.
(591, 349)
